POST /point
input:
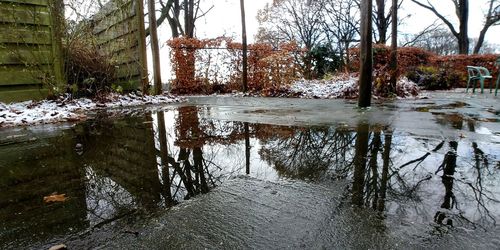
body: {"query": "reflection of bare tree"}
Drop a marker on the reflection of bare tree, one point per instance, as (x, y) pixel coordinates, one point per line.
(318, 153)
(361, 151)
(470, 188)
(165, 160)
(105, 198)
(189, 173)
(448, 167)
(309, 153)
(366, 155)
(369, 186)
(247, 148)
(385, 169)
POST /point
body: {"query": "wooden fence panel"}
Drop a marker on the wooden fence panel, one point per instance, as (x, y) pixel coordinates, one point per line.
(30, 48)
(117, 28)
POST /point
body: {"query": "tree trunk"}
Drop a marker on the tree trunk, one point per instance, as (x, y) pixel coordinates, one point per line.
(463, 37)
(244, 42)
(177, 13)
(394, 48)
(462, 11)
(366, 63)
(189, 18)
(480, 40)
(381, 22)
(141, 37)
(155, 49)
(492, 18)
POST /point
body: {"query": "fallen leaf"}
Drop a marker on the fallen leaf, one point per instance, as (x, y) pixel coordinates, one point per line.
(55, 198)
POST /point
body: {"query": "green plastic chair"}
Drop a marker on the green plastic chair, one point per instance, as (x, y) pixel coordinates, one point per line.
(478, 74)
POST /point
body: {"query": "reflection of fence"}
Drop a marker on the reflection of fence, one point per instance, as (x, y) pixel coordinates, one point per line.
(131, 162)
(30, 48)
(120, 34)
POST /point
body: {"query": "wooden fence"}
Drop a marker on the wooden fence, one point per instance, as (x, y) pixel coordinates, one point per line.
(120, 34)
(30, 49)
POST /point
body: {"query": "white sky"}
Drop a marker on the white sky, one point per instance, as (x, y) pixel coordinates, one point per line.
(224, 19)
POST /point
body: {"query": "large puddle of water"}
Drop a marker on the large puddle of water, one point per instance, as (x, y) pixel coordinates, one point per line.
(142, 163)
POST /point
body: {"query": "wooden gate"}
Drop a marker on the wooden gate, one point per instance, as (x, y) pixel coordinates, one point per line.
(30, 49)
(120, 34)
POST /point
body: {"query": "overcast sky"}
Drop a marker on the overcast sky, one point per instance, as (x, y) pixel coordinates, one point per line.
(225, 18)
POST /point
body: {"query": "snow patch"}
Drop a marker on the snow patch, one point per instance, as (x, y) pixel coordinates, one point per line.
(344, 87)
(326, 89)
(66, 109)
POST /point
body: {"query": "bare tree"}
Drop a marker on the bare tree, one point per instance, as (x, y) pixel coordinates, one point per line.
(486, 47)
(295, 20)
(155, 48)
(341, 22)
(171, 11)
(437, 40)
(383, 20)
(492, 18)
(409, 40)
(394, 47)
(462, 12)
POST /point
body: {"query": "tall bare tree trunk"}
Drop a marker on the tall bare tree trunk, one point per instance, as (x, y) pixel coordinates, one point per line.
(141, 35)
(244, 42)
(381, 22)
(462, 12)
(366, 57)
(172, 20)
(492, 18)
(394, 48)
(155, 49)
(189, 18)
(463, 39)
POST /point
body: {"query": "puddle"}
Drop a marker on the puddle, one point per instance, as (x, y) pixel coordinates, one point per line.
(432, 106)
(143, 163)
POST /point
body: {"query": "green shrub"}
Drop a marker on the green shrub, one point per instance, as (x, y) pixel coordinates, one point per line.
(432, 78)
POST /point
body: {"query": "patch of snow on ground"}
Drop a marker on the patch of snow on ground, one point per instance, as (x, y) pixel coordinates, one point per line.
(67, 110)
(335, 88)
(344, 87)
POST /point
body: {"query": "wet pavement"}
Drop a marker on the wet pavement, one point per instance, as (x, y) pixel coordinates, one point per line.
(224, 172)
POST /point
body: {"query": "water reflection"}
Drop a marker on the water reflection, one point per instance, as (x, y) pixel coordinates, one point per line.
(114, 167)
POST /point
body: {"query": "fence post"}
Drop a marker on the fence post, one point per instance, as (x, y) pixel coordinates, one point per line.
(141, 37)
(57, 19)
(245, 46)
